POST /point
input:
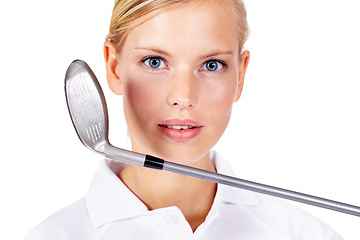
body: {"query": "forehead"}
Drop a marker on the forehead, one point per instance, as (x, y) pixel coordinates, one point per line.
(199, 24)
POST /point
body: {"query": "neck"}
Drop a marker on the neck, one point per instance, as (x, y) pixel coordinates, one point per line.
(159, 189)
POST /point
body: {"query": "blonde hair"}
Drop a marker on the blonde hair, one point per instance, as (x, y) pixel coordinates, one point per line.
(128, 14)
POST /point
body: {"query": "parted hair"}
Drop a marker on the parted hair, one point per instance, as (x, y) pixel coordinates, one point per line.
(127, 14)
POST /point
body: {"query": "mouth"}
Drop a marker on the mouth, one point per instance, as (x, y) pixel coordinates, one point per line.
(180, 130)
(177, 127)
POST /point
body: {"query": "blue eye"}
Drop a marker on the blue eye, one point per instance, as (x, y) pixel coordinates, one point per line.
(154, 62)
(212, 66)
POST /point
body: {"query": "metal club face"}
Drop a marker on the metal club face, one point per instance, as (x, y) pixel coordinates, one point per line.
(87, 106)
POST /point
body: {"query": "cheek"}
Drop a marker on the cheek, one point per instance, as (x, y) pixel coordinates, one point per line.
(136, 96)
(140, 100)
(221, 109)
(221, 96)
(219, 103)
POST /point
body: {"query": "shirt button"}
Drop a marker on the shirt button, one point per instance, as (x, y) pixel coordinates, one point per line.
(171, 219)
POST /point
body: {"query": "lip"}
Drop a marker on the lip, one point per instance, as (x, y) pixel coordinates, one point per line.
(170, 128)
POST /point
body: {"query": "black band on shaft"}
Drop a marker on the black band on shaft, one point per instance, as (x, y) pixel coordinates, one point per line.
(153, 162)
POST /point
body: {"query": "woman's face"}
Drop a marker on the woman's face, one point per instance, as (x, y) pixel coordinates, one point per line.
(179, 73)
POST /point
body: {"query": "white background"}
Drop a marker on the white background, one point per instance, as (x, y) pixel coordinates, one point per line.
(296, 125)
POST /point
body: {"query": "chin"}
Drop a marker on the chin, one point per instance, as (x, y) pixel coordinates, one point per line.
(187, 153)
(184, 157)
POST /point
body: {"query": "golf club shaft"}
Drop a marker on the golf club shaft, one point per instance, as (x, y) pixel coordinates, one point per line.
(137, 159)
(261, 188)
(124, 156)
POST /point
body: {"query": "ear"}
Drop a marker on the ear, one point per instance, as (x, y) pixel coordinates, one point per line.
(111, 62)
(245, 57)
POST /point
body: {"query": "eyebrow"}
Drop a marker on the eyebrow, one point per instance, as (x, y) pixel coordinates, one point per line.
(216, 53)
(162, 52)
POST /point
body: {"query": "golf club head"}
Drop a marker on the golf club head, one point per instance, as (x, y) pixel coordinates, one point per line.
(87, 106)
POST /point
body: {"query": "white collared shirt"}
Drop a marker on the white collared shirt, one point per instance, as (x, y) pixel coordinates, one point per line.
(111, 211)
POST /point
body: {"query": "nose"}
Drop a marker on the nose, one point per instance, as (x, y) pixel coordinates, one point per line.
(183, 90)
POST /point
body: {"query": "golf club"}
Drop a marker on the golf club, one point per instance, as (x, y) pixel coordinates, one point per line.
(88, 112)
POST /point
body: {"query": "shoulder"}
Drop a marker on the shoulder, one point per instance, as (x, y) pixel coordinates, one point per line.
(291, 221)
(272, 214)
(72, 222)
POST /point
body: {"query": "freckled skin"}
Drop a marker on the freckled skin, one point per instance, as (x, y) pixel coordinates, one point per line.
(149, 94)
(184, 39)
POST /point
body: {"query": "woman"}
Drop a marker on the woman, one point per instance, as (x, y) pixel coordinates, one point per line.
(179, 66)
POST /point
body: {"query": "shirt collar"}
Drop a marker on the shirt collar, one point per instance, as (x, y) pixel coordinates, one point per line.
(231, 194)
(108, 198)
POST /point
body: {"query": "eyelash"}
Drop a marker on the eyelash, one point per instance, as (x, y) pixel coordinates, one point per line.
(154, 57)
(224, 65)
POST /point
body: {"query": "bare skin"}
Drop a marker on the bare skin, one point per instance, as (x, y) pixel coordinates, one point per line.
(194, 197)
(180, 87)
